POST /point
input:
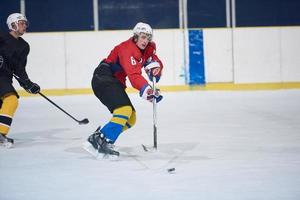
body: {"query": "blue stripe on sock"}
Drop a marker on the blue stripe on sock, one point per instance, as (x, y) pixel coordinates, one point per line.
(121, 116)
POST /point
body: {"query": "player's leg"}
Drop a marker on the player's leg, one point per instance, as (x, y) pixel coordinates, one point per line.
(7, 111)
(112, 94)
(115, 126)
(103, 138)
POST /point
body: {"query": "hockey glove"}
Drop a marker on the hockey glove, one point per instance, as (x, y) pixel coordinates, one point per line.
(153, 70)
(30, 87)
(147, 93)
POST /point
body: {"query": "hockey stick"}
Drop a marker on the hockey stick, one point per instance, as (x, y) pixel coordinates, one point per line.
(84, 121)
(154, 115)
(154, 103)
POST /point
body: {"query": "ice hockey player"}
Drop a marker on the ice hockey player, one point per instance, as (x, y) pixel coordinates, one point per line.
(13, 58)
(109, 82)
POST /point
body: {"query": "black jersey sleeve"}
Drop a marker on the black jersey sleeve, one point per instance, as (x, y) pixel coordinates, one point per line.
(20, 61)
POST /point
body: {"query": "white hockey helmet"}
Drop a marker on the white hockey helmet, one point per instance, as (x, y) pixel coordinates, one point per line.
(143, 28)
(15, 18)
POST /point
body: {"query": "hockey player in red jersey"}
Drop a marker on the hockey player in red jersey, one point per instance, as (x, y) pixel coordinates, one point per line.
(13, 58)
(109, 82)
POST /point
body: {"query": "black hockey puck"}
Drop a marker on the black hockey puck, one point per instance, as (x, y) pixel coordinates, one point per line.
(171, 170)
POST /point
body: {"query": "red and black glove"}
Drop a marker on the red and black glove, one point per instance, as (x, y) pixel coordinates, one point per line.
(147, 93)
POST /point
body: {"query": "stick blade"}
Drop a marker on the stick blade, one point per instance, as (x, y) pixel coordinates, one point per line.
(84, 121)
(149, 149)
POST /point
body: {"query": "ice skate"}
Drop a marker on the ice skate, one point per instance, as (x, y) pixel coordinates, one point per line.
(5, 141)
(94, 139)
(98, 146)
(107, 148)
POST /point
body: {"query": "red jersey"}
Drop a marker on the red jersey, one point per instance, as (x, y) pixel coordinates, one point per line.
(126, 59)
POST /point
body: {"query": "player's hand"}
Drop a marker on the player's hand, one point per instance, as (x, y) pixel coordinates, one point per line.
(153, 70)
(149, 94)
(31, 87)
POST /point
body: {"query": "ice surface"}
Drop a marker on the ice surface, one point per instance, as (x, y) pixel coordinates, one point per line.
(224, 146)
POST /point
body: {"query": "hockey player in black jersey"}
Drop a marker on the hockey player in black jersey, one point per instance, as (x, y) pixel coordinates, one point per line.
(13, 58)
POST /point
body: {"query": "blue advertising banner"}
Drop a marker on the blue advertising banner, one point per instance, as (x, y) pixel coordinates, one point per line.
(196, 57)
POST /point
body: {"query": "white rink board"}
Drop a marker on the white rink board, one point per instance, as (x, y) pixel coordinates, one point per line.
(46, 63)
(66, 60)
(290, 48)
(256, 55)
(218, 55)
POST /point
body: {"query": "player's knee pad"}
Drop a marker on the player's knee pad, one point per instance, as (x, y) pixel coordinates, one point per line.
(7, 111)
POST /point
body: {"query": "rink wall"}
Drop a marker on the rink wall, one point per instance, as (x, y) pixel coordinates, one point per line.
(232, 57)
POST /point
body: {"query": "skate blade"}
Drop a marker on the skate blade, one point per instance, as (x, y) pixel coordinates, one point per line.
(99, 156)
(90, 149)
(110, 157)
(6, 145)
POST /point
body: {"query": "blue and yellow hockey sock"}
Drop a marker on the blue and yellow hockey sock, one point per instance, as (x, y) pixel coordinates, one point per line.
(114, 127)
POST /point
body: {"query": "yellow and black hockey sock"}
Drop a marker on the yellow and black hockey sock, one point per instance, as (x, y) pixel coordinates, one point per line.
(7, 111)
(114, 127)
(131, 121)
